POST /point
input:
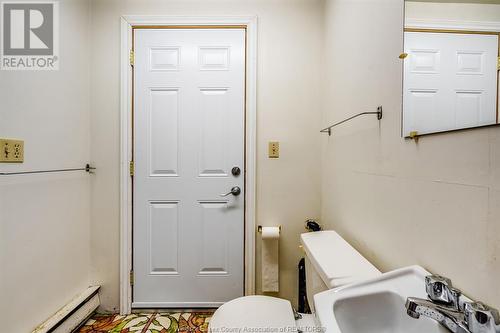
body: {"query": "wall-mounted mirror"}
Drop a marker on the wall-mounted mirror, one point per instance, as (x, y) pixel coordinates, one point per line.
(451, 62)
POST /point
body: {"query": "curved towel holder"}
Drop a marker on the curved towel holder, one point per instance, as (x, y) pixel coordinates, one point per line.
(329, 128)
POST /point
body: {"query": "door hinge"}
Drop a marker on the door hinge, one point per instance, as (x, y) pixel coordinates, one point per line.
(132, 57)
(131, 278)
(498, 63)
(131, 168)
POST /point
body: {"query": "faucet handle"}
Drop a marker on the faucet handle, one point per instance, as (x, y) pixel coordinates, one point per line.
(441, 290)
(481, 318)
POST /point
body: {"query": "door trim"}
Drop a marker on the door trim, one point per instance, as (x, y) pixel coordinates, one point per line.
(128, 22)
(451, 25)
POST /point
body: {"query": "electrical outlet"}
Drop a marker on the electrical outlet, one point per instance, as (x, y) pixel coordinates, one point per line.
(274, 149)
(11, 151)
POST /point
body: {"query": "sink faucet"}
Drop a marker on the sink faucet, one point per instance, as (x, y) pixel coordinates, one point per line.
(446, 306)
(451, 319)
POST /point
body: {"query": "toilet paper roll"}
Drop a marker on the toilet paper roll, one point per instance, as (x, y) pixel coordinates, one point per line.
(270, 262)
(270, 232)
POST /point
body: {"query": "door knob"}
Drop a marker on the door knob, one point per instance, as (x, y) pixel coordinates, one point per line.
(234, 191)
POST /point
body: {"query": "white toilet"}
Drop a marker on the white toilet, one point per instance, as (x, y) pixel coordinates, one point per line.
(330, 263)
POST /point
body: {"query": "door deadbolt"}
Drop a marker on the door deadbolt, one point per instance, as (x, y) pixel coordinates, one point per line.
(236, 171)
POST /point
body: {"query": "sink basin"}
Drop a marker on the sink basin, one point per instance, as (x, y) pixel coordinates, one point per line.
(376, 305)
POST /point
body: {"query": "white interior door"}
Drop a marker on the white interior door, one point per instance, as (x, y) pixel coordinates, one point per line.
(189, 111)
(450, 81)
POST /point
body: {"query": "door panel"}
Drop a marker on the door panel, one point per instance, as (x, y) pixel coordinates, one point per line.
(163, 231)
(163, 122)
(164, 58)
(189, 97)
(214, 110)
(214, 238)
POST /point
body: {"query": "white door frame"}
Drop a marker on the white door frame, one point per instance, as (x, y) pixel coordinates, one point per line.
(127, 23)
(412, 23)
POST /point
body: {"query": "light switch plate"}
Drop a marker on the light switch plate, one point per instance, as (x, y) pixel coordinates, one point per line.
(274, 149)
(11, 151)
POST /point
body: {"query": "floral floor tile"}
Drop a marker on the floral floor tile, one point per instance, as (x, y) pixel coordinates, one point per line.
(182, 322)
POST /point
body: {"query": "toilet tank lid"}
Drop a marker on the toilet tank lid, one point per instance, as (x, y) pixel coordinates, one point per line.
(335, 260)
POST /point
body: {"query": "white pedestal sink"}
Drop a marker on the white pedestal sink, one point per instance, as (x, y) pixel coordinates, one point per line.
(376, 305)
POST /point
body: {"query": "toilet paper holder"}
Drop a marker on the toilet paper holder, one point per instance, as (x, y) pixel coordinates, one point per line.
(259, 228)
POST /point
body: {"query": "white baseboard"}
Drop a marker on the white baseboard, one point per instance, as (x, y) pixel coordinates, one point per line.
(73, 314)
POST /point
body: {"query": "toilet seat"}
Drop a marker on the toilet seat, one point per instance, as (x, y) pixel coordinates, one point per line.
(331, 262)
(255, 314)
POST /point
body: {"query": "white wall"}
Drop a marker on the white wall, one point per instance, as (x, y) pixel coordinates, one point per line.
(44, 219)
(289, 73)
(485, 12)
(435, 203)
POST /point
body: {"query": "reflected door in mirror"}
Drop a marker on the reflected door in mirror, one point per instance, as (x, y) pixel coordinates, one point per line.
(450, 81)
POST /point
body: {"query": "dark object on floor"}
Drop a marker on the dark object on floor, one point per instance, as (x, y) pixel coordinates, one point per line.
(303, 305)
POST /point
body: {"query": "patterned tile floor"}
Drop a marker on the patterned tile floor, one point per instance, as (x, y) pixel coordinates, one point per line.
(182, 322)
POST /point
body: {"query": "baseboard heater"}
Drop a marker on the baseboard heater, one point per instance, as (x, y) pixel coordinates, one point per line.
(72, 315)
